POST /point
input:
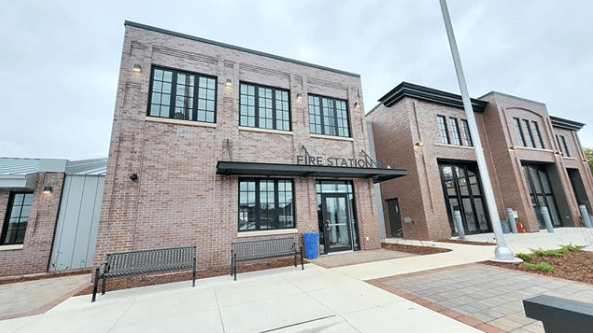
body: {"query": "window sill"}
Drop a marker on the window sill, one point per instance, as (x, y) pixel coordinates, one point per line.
(242, 234)
(323, 136)
(454, 146)
(534, 149)
(180, 122)
(263, 130)
(11, 247)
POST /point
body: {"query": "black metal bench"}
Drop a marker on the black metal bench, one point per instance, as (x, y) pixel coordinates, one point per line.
(145, 261)
(560, 315)
(264, 249)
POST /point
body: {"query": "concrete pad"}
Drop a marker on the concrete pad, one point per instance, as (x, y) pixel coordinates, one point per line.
(333, 324)
(14, 325)
(207, 321)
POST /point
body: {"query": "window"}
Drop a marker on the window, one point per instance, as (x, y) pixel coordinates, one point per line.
(565, 146)
(527, 134)
(17, 216)
(444, 134)
(328, 116)
(265, 204)
(180, 95)
(519, 132)
(537, 135)
(467, 134)
(264, 107)
(455, 131)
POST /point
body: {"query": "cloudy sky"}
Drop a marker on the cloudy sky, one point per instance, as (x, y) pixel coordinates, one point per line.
(59, 59)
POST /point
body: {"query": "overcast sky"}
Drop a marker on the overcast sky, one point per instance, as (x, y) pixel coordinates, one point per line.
(59, 60)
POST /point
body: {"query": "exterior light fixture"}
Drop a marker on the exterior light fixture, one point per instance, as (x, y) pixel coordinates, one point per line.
(357, 106)
(48, 189)
(229, 83)
(420, 144)
(299, 97)
(137, 68)
(134, 177)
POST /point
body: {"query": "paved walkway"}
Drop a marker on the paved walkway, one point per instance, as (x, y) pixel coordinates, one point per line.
(37, 296)
(355, 258)
(416, 294)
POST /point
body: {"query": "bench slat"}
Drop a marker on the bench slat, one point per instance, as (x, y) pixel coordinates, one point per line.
(263, 249)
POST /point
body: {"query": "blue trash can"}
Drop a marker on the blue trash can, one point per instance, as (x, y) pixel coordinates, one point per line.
(311, 240)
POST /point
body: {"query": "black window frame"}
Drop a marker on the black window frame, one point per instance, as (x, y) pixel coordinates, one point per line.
(455, 131)
(537, 134)
(7, 217)
(323, 119)
(528, 135)
(519, 132)
(196, 94)
(443, 129)
(256, 105)
(257, 204)
(566, 151)
(467, 134)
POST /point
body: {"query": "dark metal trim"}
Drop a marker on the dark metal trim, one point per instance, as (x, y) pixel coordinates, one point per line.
(238, 48)
(296, 170)
(566, 124)
(406, 89)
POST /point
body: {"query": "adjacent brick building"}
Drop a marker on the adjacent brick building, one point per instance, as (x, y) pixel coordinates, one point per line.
(534, 161)
(213, 143)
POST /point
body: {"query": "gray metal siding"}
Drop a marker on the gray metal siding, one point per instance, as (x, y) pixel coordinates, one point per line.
(76, 230)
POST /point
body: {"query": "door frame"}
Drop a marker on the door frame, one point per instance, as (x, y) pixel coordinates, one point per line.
(349, 226)
(394, 233)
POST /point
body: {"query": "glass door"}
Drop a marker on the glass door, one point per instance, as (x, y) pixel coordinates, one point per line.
(336, 222)
(541, 193)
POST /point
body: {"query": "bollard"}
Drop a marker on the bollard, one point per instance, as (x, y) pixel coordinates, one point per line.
(511, 217)
(585, 215)
(546, 215)
(458, 224)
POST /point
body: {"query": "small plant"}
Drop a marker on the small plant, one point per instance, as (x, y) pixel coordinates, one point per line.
(541, 266)
(527, 257)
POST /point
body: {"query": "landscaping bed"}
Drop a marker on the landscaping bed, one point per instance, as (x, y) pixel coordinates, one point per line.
(415, 249)
(564, 264)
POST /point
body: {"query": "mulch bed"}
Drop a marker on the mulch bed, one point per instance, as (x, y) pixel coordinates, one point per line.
(461, 241)
(421, 250)
(575, 266)
(149, 280)
(41, 276)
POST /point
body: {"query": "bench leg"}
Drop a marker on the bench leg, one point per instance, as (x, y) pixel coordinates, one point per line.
(193, 275)
(235, 265)
(103, 286)
(295, 257)
(96, 285)
(302, 262)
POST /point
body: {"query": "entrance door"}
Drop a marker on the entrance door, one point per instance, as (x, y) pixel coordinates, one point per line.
(541, 193)
(395, 222)
(336, 222)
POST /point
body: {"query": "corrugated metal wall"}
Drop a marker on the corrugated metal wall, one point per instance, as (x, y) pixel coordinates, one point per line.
(76, 231)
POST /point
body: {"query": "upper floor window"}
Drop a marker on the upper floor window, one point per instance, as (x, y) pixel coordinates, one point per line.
(328, 116)
(563, 146)
(443, 133)
(528, 133)
(455, 131)
(264, 107)
(181, 95)
(17, 216)
(265, 204)
(466, 133)
(454, 137)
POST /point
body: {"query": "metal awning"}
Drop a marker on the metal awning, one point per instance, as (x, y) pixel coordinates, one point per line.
(18, 181)
(298, 170)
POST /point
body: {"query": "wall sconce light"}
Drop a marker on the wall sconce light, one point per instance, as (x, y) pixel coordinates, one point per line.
(512, 148)
(134, 177)
(137, 68)
(229, 83)
(357, 106)
(420, 144)
(299, 97)
(48, 189)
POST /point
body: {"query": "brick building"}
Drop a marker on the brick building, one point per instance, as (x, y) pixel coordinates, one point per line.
(534, 161)
(50, 210)
(213, 143)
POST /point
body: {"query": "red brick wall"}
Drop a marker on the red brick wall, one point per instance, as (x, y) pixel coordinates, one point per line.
(178, 198)
(35, 253)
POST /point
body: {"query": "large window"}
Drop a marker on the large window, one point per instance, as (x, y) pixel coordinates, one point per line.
(264, 107)
(328, 116)
(454, 136)
(17, 216)
(466, 133)
(455, 131)
(443, 133)
(180, 95)
(528, 133)
(265, 204)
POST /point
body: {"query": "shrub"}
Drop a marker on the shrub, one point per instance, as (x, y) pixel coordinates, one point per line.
(541, 266)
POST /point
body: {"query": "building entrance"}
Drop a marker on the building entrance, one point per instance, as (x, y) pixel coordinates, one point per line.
(336, 212)
(541, 193)
(463, 192)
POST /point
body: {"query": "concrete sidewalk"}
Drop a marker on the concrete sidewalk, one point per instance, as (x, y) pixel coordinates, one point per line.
(291, 300)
